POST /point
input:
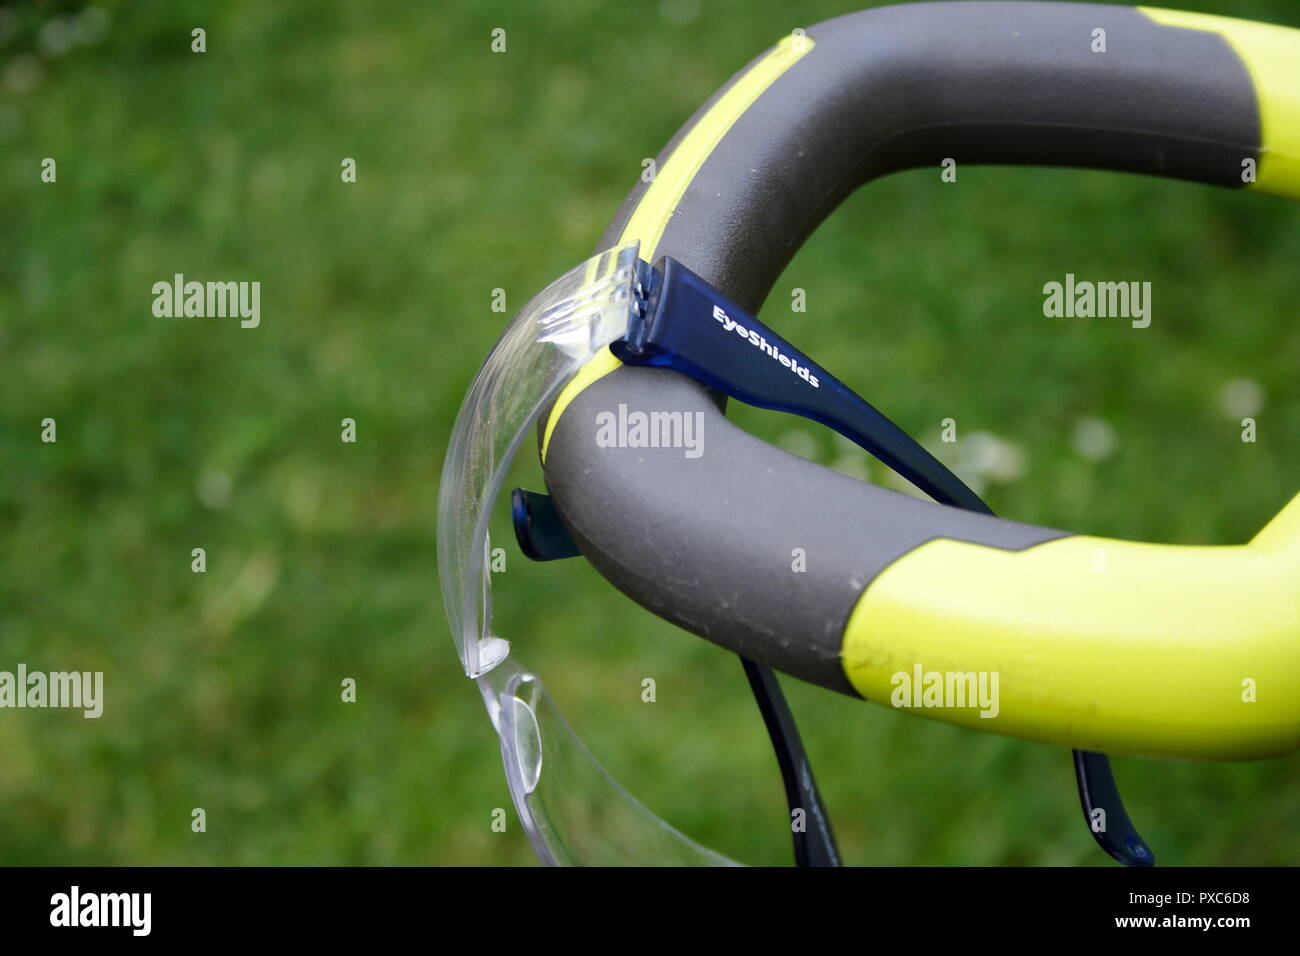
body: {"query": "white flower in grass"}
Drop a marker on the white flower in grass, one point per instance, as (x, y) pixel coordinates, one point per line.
(1241, 398)
(1093, 439)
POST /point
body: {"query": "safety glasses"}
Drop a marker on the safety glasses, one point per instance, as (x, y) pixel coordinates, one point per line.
(662, 316)
(571, 809)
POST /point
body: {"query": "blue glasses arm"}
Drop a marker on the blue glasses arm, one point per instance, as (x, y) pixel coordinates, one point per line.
(689, 326)
(681, 322)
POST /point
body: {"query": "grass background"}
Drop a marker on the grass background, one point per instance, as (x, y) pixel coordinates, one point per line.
(479, 171)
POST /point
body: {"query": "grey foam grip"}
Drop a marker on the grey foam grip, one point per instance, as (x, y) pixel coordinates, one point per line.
(707, 543)
(910, 85)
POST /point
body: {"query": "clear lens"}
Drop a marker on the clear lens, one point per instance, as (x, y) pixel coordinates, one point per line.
(572, 810)
(543, 346)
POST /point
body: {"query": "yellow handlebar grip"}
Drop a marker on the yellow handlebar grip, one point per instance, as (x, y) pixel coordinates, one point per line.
(1098, 644)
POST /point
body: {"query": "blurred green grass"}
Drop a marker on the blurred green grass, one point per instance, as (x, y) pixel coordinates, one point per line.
(475, 172)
